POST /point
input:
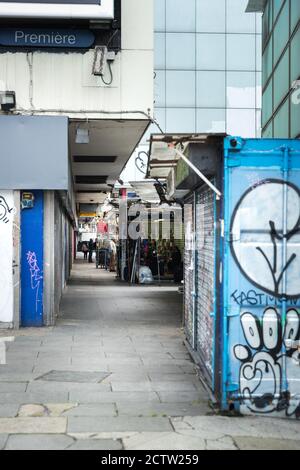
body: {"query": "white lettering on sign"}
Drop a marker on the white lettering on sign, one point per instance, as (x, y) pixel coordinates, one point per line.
(48, 39)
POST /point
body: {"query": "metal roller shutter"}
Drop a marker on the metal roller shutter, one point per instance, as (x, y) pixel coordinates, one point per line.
(205, 278)
(189, 271)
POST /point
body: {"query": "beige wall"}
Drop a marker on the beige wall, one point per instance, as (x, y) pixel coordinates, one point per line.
(64, 82)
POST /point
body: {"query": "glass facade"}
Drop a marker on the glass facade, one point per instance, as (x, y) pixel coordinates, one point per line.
(207, 67)
(208, 64)
(281, 69)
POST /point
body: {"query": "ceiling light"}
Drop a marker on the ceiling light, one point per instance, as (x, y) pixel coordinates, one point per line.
(82, 136)
(7, 100)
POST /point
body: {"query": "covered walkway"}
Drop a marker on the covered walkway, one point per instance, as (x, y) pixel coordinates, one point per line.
(113, 374)
(113, 367)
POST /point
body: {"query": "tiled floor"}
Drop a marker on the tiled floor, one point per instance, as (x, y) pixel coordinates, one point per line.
(129, 337)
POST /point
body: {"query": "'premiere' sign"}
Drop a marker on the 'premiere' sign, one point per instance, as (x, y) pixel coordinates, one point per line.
(68, 9)
(25, 37)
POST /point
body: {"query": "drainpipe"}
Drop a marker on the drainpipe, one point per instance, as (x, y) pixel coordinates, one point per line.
(285, 150)
(225, 286)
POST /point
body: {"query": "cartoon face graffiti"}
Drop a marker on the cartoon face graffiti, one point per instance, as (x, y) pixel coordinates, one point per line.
(5, 210)
(265, 237)
(269, 379)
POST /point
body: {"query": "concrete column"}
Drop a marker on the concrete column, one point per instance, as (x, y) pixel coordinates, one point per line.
(16, 259)
(49, 262)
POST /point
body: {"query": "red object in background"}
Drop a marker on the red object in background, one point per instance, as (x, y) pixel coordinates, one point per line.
(102, 227)
(123, 193)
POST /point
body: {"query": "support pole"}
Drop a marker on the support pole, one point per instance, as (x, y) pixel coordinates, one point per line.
(199, 173)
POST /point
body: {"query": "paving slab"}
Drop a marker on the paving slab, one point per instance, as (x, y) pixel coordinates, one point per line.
(106, 409)
(47, 409)
(176, 377)
(33, 397)
(8, 410)
(33, 425)
(123, 423)
(154, 386)
(254, 443)
(14, 376)
(102, 435)
(163, 409)
(52, 387)
(216, 427)
(134, 376)
(74, 376)
(112, 397)
(163, 441)
(3, 439)
(181, 396)
(12, 387)
(224, 443)
(96, 444)
(38, 442)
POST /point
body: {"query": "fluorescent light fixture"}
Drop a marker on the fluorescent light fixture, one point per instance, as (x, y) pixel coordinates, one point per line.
(7, 100)
(82, 136)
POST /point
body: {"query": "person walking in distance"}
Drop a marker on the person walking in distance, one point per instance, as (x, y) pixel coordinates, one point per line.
(91, 249)
(84, 249)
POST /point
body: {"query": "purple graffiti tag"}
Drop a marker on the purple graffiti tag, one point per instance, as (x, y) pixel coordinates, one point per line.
(35, 274)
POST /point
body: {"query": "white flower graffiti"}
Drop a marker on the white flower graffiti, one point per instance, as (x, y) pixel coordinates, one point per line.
(269, 378)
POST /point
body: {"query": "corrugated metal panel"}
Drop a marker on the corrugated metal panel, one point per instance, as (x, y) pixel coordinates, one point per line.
(205, 275)
(189, 278)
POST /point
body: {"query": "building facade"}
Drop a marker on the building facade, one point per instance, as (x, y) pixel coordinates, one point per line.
(207, 67)
(207, 78)
(281, 67)
(76, 96)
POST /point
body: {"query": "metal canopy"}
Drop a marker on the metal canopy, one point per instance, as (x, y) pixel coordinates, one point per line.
(164, 157)
(145, 189)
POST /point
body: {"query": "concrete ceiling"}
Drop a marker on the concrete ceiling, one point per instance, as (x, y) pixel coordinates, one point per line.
(113, 141)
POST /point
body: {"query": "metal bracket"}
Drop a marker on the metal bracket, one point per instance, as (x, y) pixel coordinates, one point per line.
(199, 173)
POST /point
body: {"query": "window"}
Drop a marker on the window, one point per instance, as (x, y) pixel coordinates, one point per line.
(281, 32)
(281, 122)
(295, 56)
(267, 103)
(295, 13)
(267, 62)
(281, 79)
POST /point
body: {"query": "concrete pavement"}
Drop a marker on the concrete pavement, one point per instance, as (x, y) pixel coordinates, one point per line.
(114, 374)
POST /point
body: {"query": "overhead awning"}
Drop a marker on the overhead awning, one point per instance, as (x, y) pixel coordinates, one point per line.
(98, 163)
(256, 6)
(145, 189)
(164, 157)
